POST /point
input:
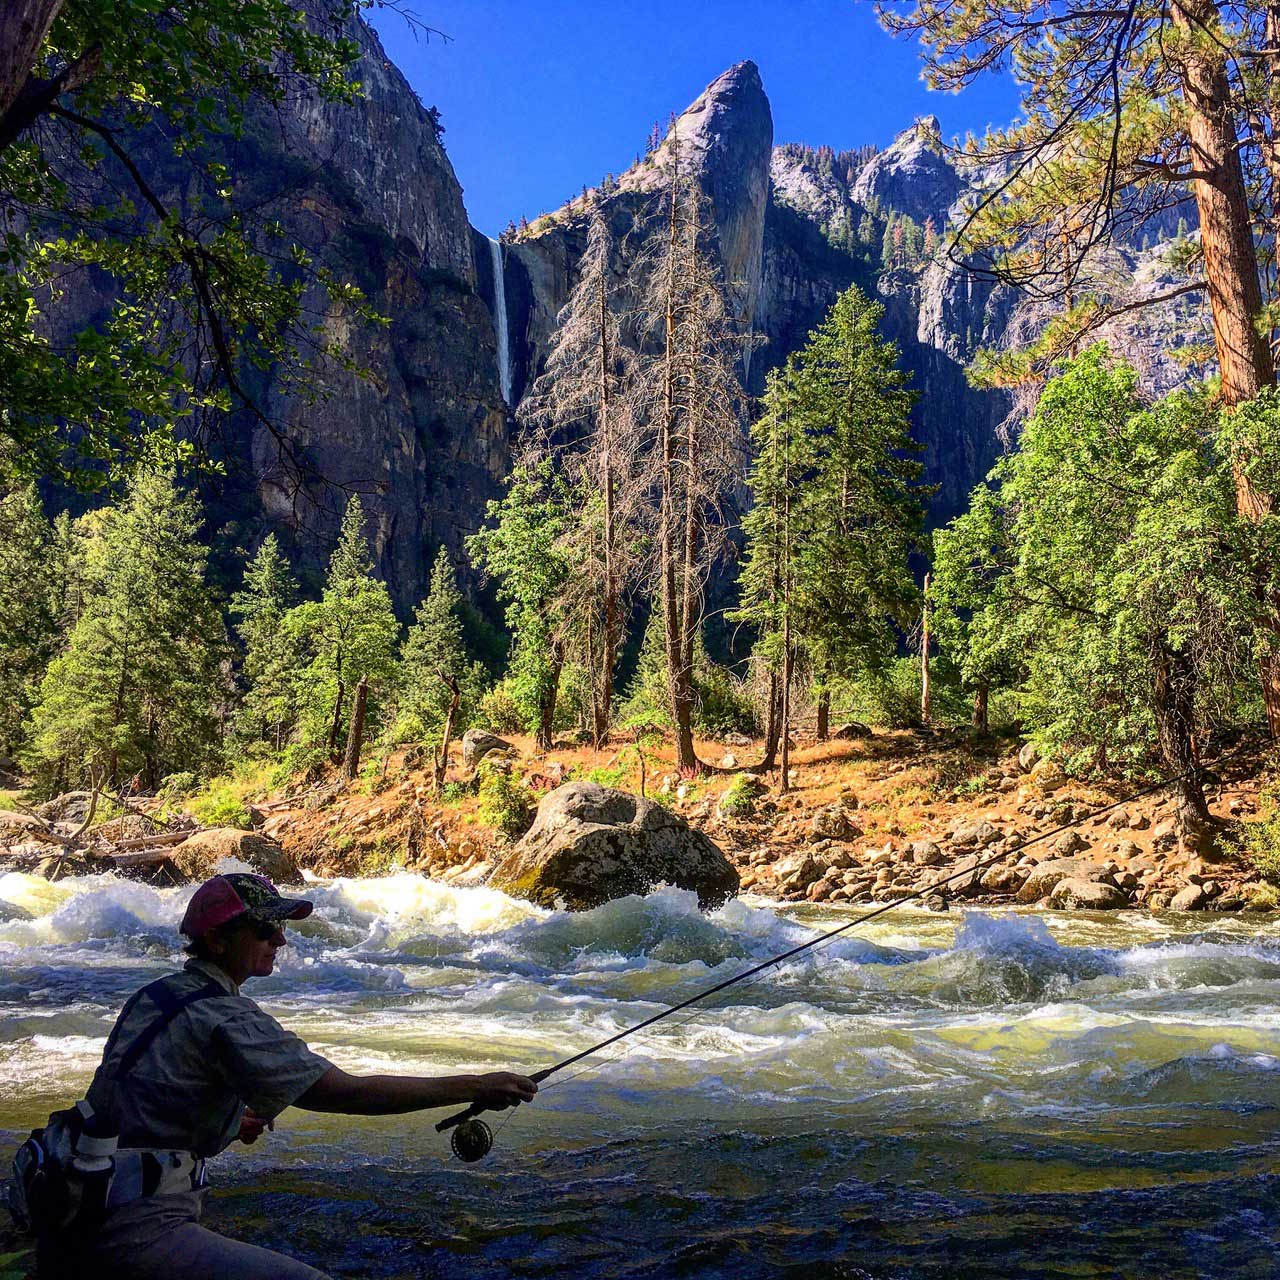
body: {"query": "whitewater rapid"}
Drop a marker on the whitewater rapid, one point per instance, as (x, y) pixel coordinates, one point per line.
(968, 1059)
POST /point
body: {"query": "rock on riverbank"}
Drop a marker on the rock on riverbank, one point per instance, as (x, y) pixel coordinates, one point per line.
(589, 844)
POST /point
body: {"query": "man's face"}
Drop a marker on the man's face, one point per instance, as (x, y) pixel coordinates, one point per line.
(251, 949)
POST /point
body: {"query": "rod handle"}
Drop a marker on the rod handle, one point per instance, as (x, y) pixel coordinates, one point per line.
(451, 1121)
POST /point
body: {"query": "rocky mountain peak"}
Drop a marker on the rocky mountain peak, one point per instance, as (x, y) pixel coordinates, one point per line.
(912, 175)
(727, 126)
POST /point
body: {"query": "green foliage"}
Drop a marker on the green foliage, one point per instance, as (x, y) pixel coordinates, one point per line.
(1260, 839)
(434, 663)
(1107, 572)
(740, 796)
(219, 805)
(349, 633)
(193, 277)
(837, 505)
(721, 702)
(504, 804)
(268, 709)
(498, 711)
(177, 785)
(33, 585)
(524, 549)
(137, 686)
(609, 775)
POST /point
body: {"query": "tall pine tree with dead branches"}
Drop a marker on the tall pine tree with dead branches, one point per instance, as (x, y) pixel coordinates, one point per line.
(696, 409)
(580, 414)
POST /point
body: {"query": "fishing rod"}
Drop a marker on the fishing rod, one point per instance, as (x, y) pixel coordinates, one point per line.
(472, 1139)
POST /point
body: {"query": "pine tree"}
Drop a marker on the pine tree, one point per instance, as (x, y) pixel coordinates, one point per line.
(853, 574)
(581, 413)
(1124, 110)
(776, 528)
(697, 408)
(350, 633)
(1109, 575)
(268, 710)
(888, 243)
(435, 672)
(526, 549)
(137, 688)
(32, 587)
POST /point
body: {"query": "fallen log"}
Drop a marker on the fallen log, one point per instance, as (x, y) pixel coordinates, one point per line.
(141, 858)
(161, 839)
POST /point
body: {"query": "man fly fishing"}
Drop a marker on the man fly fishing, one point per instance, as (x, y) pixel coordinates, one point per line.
(191, 1066)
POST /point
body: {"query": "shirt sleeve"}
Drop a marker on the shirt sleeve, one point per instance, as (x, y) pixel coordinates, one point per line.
(269, 1067)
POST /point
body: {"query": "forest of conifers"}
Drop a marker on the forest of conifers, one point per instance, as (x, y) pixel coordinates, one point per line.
(1112, 589)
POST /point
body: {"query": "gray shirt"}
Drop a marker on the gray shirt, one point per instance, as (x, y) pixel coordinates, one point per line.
(191, 1085)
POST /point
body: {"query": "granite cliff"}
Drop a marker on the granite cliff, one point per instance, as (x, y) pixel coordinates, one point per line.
(426, 438)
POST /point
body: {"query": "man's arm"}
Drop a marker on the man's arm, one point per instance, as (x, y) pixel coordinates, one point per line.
(393, 1095)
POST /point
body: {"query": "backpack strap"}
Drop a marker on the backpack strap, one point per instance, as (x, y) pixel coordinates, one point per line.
(170, 1006)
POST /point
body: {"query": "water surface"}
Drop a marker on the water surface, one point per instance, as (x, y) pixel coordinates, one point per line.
(977, 1094)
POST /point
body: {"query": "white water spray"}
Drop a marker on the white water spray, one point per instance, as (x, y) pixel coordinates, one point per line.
(500, 320)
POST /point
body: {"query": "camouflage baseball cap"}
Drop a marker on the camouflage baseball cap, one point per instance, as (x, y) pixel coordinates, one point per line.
(239, 893)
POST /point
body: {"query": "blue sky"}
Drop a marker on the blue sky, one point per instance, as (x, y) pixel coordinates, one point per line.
(539, 96)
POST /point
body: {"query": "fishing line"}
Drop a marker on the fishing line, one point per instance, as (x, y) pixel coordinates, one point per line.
(467, 1118)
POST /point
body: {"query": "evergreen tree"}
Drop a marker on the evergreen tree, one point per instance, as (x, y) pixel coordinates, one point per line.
(1110, 563)
(581, 412)
(697, 408)
(32, 587)
(268, 709)
(525, 550)
(82, 192)
(1125, 111)
(138, 686)
(438, 684)
(776, 528)
(887, 243)
(348, 634)
(854, 581)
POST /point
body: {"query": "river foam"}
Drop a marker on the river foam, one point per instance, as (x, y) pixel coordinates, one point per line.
(1092, 1043)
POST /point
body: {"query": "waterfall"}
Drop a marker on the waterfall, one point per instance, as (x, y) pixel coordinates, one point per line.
(500, 320)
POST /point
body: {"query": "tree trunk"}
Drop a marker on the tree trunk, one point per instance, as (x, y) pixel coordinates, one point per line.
(1174, 699)
(446, 734)
(336, 724)
(980, 697)
(1231, 268)
(355, 735)
(787, 665)
(924, 656)
(610, 645)
(673, 624)
(824, 704)
(771, 725)
(547, 703)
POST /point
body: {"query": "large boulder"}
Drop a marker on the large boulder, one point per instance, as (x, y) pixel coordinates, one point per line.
(1045, 877)
(1073, 894)
(476, 744)
(198, 855)
(834, 823)
(590, 844)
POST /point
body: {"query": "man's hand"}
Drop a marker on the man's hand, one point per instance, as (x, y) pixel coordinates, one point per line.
(499, 1089)
(251, 1127)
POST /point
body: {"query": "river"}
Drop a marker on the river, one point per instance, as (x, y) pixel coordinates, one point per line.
(968, 1094)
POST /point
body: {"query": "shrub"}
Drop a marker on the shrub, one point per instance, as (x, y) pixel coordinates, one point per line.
(609, 775)
(504, 804)
(1261, 844)
(498, 711)
(177, 785)
(219, 805)
(739, 799)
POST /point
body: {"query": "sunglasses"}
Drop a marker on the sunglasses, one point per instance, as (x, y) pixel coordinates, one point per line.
(265, 930)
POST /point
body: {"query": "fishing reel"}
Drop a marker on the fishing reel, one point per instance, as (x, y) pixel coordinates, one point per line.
(471, 1139)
